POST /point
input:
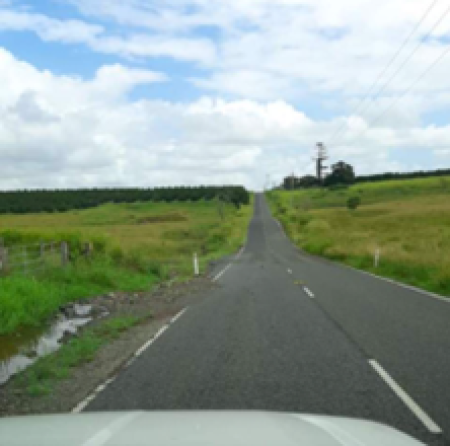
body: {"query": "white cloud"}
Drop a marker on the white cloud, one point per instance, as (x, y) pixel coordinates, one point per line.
(96, 37)
(264, 49)
(48, 29)
(141, 45)
(61, 131)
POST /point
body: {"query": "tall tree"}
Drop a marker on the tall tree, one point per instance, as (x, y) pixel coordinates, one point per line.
(341, 173)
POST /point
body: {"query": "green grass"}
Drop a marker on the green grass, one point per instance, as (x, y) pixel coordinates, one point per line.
(135, 246)
(39, 378)
(409, 220)
(28, 301)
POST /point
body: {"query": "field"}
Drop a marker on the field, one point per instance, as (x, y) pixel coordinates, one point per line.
(135, 246)
(407, 220)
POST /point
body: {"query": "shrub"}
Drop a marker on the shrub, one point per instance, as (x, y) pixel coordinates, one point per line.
(353, 202)
(117, 255)
(338, 186)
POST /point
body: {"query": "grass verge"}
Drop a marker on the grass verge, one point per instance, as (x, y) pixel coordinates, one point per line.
(407, 220)
(135, 246)
(31, 301)
(40, 378)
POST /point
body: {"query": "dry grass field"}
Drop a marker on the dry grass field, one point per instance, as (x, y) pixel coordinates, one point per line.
(408, 220)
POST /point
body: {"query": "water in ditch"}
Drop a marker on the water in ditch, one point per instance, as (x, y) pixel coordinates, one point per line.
(21, 349)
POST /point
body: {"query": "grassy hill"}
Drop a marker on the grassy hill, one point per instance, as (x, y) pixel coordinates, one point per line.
(408, 220)
(135, 246)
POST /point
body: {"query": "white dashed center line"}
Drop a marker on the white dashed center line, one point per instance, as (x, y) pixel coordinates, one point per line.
(407, 400)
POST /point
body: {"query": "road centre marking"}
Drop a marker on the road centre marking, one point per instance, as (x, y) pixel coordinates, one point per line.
(407, 400)
(308, 292)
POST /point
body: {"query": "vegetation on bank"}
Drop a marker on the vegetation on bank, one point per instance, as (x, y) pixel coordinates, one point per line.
(342, 173)
(26, 201)
(40, 377)
(408, 220)
(135, 246)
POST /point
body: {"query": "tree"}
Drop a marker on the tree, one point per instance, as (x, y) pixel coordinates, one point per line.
(290, 182)
(353, 202)
(293, 182)
(308, 181)
(341, 173)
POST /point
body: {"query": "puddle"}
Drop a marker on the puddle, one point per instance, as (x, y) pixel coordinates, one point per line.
(20, 350)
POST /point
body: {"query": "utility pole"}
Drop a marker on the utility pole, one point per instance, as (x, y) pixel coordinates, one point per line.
(321, 157)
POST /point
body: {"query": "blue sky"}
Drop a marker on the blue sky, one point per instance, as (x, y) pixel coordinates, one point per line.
(193, 91)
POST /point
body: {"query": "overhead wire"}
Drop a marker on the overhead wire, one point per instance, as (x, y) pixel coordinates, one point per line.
(409, 56)
(387, 66)
(402, 95)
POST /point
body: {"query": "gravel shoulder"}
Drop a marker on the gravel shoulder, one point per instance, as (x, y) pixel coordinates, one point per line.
(162, 304)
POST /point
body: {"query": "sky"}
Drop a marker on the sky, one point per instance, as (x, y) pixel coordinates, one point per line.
(118, 93)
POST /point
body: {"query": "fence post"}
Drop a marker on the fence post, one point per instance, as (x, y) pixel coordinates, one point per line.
(42, 249)
(25, 259)
(64, 253)
(3, 258)
(87, 250)
(196, 269)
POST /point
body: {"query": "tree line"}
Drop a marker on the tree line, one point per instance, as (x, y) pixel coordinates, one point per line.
(403, 175)
(26, 201)
(344, 174)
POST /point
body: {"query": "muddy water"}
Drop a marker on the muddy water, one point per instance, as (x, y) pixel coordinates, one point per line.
(21, 349)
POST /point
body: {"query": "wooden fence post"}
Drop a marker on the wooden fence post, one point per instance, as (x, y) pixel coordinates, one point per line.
(64, 253)
(3, 259)
(25, 259)
(87, 250)
(42, 249)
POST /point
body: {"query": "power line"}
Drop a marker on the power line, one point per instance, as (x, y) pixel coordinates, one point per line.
(411, 54)
(405, 61)
(406, 91)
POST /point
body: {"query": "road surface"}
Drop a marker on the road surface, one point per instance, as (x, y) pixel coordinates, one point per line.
(286, 331)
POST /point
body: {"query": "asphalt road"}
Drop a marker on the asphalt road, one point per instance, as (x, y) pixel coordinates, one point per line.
(286, 331)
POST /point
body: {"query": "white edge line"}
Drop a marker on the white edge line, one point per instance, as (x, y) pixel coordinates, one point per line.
(400, 284)
(151, 341)
(177, 316)
(308, 292)
(407, 400)
(281, 227)
(375, 276)
(222, 272)
(218, 276)
(83, 404)
(240, 252)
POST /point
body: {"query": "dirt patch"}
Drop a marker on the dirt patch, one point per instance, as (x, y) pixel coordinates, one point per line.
(162, 303)
(166, 218)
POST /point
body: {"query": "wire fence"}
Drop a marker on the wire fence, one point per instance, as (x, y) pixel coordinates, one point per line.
(33, 258)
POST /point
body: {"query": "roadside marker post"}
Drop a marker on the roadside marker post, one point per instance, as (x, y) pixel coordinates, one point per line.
(196, 268)
(376, 260)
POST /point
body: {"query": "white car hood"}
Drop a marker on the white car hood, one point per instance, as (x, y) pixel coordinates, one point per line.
(196, 429)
